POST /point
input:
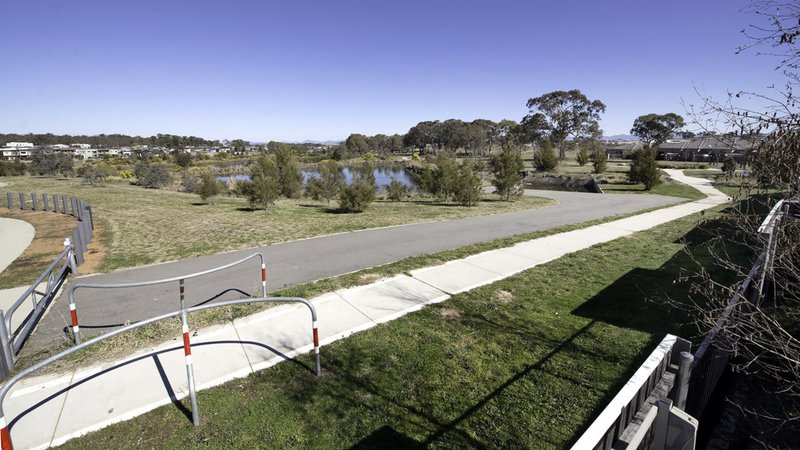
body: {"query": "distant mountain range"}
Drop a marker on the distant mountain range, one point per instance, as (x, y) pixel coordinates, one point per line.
(621, 137)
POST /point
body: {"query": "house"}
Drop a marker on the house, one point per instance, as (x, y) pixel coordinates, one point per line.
(81, 146)
(706, 149)
(86, 153)
(621, 150)
(20, 145)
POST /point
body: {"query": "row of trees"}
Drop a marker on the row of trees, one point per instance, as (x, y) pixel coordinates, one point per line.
(109, 140)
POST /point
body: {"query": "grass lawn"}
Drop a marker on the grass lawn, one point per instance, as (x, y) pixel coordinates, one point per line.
(150, 226)
(526, 362)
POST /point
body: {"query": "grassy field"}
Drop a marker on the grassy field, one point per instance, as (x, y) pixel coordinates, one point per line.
(523, 363)
(150, 226)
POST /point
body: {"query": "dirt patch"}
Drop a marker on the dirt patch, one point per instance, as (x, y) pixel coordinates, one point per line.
(502, 296)
(48, 242)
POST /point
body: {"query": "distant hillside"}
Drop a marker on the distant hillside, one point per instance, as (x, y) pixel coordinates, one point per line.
(620, 137)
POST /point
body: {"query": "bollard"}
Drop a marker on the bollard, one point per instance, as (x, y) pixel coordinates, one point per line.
(35, 201)
(10, 200)
(21, 200)
(264, 279)
(45, 203)
(682, 381)
(187, 351)
(316, 345)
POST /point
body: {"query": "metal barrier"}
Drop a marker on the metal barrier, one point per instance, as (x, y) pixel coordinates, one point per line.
(73, 309)
(183, 313)
(53, 277)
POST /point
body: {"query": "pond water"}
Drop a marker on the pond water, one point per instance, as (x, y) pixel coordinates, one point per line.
(383, 176)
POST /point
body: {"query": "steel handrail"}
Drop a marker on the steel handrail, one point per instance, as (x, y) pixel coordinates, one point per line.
(36, 284)
(5, 437)
(74, 309)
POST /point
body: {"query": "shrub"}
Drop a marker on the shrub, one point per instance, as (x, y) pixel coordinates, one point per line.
(545, 159)
(468, 186)
(95, 173)
(189, 182)
(729, 167)
(47, 162)
(289, 176)
(263, 188)
(583, 156)
(357, 196)
(644, 169)
(209, 186)
(11, 168)
(328, 184)
(396, 191)
(152, 175)
(506, 167)
(599, 160)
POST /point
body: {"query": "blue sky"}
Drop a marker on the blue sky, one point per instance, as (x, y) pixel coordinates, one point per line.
(320, 70)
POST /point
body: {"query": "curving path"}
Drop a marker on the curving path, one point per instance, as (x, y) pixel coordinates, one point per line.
(15, 236)
(297, 262)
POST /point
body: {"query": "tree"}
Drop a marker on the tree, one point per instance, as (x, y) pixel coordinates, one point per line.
(328, 184)
(209, 186)
(653, 129)
(290, 178)
(182, 158)
(644, 169)
(263, 188)
(48, 162)
(545, 159)
(567, 114)
(361, 192)
(506, 167)
(468, 186)
(583, 156)
(152, 175)
(356, 144)
(729, 167)
(445, 175)
(396, 191)
(599, 160)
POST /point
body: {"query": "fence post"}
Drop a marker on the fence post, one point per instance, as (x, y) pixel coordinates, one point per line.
(55, 202)
(7, 361)
(64, 205)
(76, 246)
(682, 381)
(45, 203)
(10, 200)
(21, 200)
(187, 351)
(35, 201)
(91, 217)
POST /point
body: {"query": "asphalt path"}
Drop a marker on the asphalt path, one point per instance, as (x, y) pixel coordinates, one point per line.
(297, 262)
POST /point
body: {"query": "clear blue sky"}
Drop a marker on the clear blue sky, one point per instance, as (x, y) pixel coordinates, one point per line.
(295, 70)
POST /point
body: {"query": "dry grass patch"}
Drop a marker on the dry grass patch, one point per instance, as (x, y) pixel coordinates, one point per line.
(448, 313)
(502, 296)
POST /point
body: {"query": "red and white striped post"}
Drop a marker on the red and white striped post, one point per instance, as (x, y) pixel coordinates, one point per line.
(316, 344)
(5, 436)
(187, 352)
(73, 312)
(263, 278)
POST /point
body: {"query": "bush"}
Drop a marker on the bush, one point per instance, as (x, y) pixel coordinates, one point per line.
(396, 191)
(11, 168)
(545, 159)
(328, 184)
(644, 169)
(290, 178)
(599, 160)
(182, 158)
(357, 196)
(95, 173)
(263, 188)
(729, 167)
(152, 175)
(189, 182)
(468, 187)
(583, 156)
(47, 162)
(209, 186)
(506, 167)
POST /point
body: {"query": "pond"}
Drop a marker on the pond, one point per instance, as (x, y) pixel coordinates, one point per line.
(383, 176)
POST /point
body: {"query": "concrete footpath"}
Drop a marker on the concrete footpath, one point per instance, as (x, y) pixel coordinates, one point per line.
(50, 410)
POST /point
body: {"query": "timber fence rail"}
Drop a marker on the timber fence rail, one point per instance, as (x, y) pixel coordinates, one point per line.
(183, 313)
(81, 235)
(711, 361)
